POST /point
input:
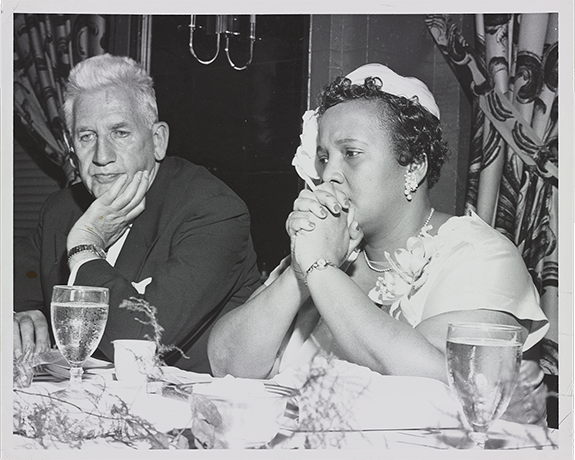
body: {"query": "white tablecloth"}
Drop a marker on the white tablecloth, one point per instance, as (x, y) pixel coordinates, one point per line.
(391, 412)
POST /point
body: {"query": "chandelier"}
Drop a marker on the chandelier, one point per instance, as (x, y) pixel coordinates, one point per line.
(228, 26)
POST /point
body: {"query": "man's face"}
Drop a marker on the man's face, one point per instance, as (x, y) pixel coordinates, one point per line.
(111, 138)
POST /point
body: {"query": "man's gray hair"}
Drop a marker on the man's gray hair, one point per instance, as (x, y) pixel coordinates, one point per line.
(104, 71)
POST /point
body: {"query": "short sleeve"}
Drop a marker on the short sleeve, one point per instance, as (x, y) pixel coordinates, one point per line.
(481, 269)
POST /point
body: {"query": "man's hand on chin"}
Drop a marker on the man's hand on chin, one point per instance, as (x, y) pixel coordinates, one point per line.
(109, 215)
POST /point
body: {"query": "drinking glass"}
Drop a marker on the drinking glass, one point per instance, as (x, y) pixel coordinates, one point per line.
(483, 362)
(79, 315)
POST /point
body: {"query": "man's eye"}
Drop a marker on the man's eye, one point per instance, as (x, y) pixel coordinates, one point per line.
(323, 160)
(120, 134)
(351, 153)
(86, 137)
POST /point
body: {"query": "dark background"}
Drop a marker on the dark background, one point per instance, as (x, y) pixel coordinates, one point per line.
(243, 125)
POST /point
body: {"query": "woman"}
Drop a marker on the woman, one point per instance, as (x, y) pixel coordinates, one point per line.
(376, 274)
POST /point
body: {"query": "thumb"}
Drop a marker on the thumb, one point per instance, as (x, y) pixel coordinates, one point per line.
(355, 232)
(355, 237)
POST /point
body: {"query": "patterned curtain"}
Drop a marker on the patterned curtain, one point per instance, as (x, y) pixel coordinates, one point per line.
(47, 46)
(510, 77)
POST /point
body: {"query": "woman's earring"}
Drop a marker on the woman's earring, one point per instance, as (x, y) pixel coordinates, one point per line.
(410, 184)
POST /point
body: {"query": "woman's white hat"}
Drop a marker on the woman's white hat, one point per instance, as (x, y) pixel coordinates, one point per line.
(408, 87)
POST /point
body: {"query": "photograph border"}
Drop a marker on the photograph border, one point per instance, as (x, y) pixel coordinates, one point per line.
(566, 188)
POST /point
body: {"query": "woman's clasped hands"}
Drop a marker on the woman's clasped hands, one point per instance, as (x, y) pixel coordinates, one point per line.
(322, 225)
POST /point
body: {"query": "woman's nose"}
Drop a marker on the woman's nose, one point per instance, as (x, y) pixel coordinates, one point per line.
(332, 173)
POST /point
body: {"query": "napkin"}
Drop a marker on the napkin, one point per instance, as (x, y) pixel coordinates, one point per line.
(366, 400)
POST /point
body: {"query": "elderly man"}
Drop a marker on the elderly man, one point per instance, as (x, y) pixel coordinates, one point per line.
(140, 223)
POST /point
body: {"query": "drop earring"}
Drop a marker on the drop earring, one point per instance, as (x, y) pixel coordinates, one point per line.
(410, 184)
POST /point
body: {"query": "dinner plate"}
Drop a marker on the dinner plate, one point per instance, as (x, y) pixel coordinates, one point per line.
(289, 422)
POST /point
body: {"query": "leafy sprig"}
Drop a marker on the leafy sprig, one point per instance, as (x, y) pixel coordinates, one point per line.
(140, 305)
(52, 422)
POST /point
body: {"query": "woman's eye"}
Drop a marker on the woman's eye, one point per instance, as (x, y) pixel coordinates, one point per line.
(322, 160)
(352, 153)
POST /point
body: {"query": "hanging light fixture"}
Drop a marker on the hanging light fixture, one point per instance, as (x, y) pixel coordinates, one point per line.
(227, 25)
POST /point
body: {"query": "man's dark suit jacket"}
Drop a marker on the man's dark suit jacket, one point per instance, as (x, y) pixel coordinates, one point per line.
(193, 240)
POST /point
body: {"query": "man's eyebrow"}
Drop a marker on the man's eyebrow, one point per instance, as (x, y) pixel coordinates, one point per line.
(121, 124)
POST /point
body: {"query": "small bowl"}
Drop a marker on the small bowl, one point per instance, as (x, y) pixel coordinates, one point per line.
(229, 417)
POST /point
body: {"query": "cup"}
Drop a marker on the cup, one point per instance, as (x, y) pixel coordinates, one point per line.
(134, 360)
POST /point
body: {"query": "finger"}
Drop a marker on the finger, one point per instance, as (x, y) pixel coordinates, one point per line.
(350, 216)
(121, 192)
(136, 211)
(356, 236)
(112, 193)
(330, 189)
(342, 199)
(17, 343)
(355, 231)
(306, 204)
(142, 188)
(134, 195)
(298, 221)
(42, 336)
(27, 335)
(126, 198)
(329, 199)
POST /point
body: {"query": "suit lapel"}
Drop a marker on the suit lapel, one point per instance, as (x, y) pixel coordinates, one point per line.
(146, 227)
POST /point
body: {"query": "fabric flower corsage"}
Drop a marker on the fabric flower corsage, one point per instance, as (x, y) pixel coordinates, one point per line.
(407, 275)
(305, 159)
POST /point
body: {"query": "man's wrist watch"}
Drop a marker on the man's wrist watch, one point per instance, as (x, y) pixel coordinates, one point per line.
(87, 247)
(319, 264)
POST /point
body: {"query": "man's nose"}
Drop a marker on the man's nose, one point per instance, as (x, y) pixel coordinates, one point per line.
(105, 152)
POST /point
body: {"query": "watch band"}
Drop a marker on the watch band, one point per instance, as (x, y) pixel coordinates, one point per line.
(319, 264)
(87, 247)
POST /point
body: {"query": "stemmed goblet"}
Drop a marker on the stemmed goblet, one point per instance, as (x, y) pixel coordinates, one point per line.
(79, 315)
(483, 362)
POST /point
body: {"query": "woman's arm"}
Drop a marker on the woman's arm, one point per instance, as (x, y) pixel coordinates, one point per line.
(371, 337)
(245, 341)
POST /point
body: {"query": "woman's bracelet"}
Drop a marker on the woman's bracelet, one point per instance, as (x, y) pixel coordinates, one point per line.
(319, 264)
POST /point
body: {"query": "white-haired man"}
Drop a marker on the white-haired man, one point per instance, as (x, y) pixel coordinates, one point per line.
(141, 223)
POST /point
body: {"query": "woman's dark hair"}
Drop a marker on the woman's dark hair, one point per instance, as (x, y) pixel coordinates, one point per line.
(414, 131)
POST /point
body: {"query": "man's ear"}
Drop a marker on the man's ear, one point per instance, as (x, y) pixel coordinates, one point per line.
(161, 133)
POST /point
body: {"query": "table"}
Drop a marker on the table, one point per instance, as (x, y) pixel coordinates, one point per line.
(150, 408)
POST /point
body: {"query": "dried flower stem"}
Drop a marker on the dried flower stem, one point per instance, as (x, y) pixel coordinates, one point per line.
(142, 306)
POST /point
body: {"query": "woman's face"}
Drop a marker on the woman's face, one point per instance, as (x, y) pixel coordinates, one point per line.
(356, 155)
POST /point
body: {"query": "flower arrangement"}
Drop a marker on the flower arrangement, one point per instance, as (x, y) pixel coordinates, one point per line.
(407, 275)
